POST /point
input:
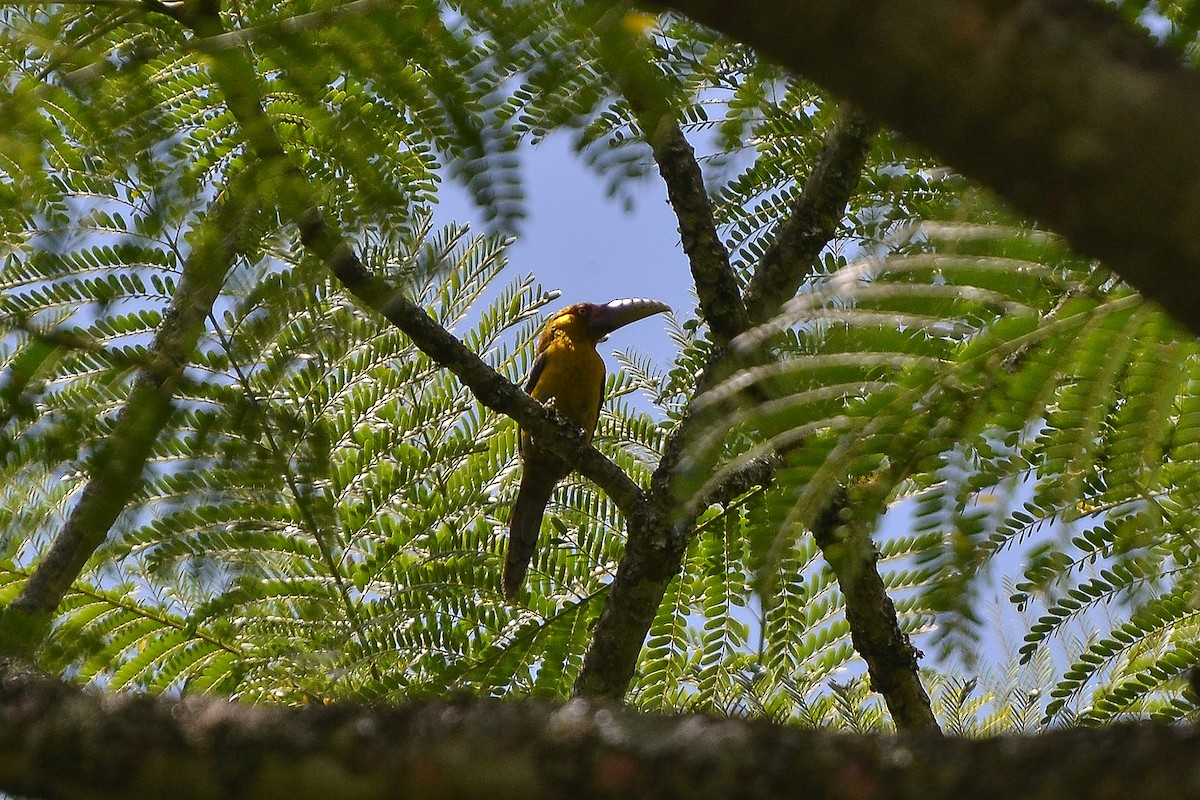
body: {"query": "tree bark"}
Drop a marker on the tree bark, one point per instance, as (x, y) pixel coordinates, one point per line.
(61, 742)
(661, 527)
(892, 660)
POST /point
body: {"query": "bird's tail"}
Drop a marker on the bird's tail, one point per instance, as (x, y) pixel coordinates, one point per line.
(525, 524)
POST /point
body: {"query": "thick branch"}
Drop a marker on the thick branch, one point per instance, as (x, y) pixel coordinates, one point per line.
(660, 528)
(890, 656)
(1068, 112)
(116, 470)
(892, 661)
(61, 742)
(658, 532)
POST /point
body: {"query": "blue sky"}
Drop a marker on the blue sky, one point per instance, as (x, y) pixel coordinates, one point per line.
(588, 246)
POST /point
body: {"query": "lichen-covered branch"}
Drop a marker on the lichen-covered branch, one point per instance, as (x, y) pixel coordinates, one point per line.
(1070, 113)
(714, 280)
(57, 741)
(660, 527)
(659, 530)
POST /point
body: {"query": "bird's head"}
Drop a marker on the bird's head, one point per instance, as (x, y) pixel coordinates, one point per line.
(596, 320)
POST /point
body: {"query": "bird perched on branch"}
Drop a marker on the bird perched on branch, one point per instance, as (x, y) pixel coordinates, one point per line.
(567, 376)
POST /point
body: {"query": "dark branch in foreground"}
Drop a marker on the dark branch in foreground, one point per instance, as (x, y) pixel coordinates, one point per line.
(57, 741)
(1062, 107)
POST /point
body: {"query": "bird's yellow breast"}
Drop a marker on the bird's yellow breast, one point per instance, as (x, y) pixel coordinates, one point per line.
(573, 376)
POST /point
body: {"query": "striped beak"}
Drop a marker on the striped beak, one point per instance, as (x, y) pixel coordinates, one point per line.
(614, 314)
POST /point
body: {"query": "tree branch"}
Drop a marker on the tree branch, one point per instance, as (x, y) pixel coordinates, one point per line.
(660, 528)
(623, 56)
(296, 198)
(62, 742)
(716, 285)
(892, 661)
(814, 219)
(289, 26)
(116, 470)
(659, 531)
(1062, 107)
(876, 634)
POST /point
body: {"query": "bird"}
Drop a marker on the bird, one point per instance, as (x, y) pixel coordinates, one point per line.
(568, 377)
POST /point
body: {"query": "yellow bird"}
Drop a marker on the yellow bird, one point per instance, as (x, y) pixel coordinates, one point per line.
(568, 377)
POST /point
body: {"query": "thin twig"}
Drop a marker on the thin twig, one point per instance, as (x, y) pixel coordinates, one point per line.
(307, 513)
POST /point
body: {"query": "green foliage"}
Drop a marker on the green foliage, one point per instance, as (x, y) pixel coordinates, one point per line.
(1021, 408)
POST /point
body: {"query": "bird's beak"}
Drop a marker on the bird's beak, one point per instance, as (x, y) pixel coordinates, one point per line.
(614, 314)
